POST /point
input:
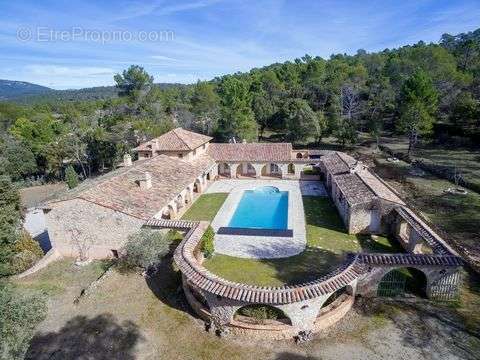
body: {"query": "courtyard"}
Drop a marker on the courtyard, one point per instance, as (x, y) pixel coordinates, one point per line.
(326, 240)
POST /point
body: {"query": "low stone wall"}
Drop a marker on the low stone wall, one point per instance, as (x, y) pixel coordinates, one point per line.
(332, 313)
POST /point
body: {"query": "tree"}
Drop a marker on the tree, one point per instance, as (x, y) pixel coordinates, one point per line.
(16, 159)
(36, 132)
(144, 249)
(380, 104)
(20, 313)
(9, 223)
(264, 111)
(465, 113)
(237, 117)
(321, 126)
(301, 121)
(71, 177)
(205, 106)
(418, 106)
(133, 82)
(346, 132)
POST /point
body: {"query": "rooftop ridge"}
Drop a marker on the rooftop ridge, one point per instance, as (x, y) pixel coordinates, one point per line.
(178, 136)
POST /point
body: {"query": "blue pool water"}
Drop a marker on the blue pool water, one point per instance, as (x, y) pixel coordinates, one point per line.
(263, 208)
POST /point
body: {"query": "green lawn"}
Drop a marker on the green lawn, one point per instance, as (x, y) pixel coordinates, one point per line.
(205, 207)
(327, 245)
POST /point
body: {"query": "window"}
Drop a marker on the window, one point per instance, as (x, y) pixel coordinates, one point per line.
(194, 152)
(180, 156)
(115, 253)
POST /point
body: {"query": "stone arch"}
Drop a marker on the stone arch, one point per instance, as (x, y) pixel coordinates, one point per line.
(224, 169)
(246, 170)
(291, 169)
(179, 200)
(198, 296)
(188, 196)
(197, 186)
(399, 280)
(272, 170)
(170, 213)
(260, 313)
(343, 291)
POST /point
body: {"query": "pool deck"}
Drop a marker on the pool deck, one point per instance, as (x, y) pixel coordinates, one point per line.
(263, 247)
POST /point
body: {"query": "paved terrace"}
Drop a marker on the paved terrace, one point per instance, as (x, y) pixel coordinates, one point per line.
(263, 247)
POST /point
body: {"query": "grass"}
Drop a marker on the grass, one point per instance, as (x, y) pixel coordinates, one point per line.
(327, 245)
(465, 160)
(456, 216)
(205, 207)
(126, 315)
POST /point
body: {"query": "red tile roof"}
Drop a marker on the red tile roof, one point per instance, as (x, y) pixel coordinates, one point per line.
(252, 152)
(119, 190)
(175, 140)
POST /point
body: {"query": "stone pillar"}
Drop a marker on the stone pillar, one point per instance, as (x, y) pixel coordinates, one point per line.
(414, 242)
(284, 170)
(233, 170)
(222, 310)
(199, 184)
(173, 210)
(258, 170)
(303, 314)
(298, 170)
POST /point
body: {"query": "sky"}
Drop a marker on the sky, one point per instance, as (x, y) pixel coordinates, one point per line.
(77, 44)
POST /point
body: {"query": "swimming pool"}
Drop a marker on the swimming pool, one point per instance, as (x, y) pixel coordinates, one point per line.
(262, 208)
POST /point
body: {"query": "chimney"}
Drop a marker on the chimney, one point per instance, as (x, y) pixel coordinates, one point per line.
(127, 160)
(358, 166)
(146, 182)
(157, 145)
(244, 141)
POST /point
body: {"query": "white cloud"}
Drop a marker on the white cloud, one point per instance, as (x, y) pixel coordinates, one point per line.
(78, 71)
(161, 57)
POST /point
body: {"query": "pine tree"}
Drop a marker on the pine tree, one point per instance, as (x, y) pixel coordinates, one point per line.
(71, 177)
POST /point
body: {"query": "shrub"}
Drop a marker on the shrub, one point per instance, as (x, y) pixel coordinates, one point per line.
(71, 177)
(311, 171)
(206, 246)
(261, 312)
(26, 243)
(144, 249)
(22, 261)
(20, 313)
(26, 253)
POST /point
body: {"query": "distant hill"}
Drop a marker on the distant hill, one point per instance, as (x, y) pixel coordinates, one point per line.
(10, 89)
(47, 94)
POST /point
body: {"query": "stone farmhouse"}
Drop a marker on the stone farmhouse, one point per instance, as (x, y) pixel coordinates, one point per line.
(172, 170)
(95, 219)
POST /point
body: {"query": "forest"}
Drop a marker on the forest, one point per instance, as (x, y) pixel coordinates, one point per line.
(428, 92)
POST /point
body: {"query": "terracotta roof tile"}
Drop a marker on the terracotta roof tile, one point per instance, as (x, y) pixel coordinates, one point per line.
(120, 191)
(175, 140)
(251, 152)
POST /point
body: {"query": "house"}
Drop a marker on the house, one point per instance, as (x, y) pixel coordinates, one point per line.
(362, 199)
(96, 218)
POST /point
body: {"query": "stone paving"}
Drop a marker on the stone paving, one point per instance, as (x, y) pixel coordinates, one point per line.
(263, 247)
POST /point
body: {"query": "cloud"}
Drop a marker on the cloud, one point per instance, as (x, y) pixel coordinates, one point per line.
(161, 57)
(186, 6)
(78, 71)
